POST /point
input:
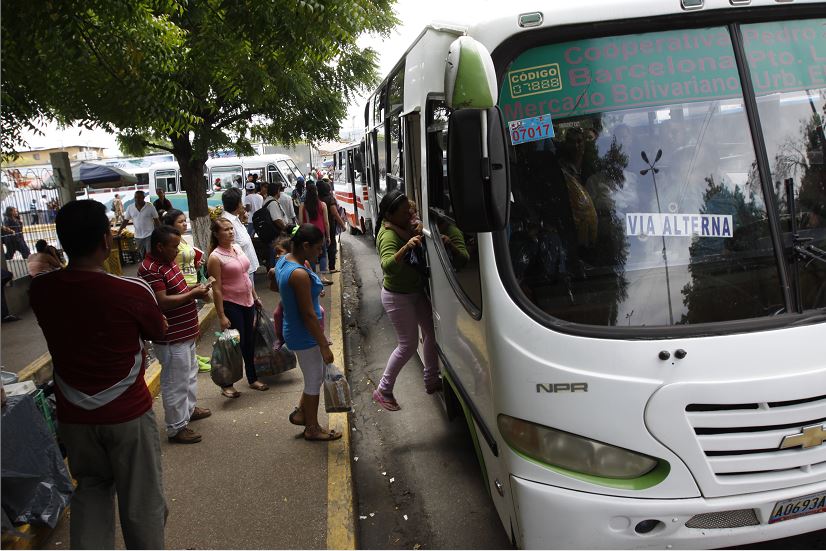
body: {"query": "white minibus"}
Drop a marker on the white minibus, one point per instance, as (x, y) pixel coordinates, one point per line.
(631, 312)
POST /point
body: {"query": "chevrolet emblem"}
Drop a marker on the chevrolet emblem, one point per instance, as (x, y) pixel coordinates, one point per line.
(809, 437)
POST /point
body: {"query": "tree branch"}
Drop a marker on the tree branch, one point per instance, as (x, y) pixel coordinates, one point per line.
(233, 119)
(158, 146)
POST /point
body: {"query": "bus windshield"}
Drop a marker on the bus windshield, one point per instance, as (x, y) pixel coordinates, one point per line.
(636, 198)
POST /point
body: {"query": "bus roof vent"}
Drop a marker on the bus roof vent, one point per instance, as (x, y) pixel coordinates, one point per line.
(692, 4)
(533, 19)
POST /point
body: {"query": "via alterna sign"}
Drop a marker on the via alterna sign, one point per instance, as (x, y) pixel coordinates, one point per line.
(678, 225)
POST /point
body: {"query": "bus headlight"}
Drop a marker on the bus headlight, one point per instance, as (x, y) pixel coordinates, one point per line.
(572, 452)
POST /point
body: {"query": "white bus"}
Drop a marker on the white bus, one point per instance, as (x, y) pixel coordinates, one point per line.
(221, 174)
(635, 336)
(350, 186)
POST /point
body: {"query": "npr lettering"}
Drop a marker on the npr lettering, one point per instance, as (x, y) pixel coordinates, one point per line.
(556, 388)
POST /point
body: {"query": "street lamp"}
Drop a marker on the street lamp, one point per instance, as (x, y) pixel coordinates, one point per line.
(652, 168)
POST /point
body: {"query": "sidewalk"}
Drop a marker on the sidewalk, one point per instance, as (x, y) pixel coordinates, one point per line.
(253, 482)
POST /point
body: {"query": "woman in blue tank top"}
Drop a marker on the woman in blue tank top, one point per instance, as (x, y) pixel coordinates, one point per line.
(300, 289)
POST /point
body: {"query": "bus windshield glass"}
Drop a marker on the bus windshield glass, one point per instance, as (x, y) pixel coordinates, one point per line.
(636, 199)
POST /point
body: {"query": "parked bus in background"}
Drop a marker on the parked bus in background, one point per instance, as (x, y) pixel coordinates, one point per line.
(221, 174)
(635, 335)
(350, 186)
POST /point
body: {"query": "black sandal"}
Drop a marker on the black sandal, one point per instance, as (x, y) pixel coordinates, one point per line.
(292, 415)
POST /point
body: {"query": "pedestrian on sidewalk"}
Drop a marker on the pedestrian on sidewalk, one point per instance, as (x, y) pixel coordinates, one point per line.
(279, 206)
(335, 222)
(7, 316)
(403, 297)
(189, 260)
(13, 234)
(314, 211)
(161, 204)
(44, 260)
(300, 288)
(176, 349)
(144, 218)
(234, 294)
(298, 194)
(104, 409)
(252, 202)
(233, 208)
(117, 209)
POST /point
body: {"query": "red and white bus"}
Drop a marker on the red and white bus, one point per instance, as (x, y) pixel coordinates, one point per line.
(350, 186)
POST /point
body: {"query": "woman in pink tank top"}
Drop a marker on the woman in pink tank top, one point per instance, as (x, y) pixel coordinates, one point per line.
(314, 211)
(234, 294)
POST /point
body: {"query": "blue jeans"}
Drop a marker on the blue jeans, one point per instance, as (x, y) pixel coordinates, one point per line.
(321, 265)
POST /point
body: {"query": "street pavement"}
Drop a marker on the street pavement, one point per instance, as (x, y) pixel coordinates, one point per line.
(418, 484)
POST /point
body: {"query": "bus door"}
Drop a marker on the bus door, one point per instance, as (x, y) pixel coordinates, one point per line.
(453, 259)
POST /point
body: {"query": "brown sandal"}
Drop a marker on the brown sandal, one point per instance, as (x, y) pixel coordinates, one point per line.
(258, 385)
(321, 435)
(230, 392)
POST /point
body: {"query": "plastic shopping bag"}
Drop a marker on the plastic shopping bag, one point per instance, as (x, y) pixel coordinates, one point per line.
(227, 361)
(336, 391)
(269, 358)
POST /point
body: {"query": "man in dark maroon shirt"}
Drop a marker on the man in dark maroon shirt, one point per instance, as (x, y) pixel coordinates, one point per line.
(94, 324)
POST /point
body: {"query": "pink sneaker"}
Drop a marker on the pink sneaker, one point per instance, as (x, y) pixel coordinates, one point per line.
(387, 402)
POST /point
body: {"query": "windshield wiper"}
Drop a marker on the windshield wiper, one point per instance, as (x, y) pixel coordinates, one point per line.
(803, 251)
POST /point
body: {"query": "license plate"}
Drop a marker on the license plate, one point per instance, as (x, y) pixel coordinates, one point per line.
(798, 507)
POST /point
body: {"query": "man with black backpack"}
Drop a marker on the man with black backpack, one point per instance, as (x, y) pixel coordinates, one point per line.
(274, 218)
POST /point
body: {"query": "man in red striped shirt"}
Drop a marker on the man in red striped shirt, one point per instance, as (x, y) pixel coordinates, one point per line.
(176, 350)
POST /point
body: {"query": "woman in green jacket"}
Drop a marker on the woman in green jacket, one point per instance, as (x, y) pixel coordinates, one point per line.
(403, 297)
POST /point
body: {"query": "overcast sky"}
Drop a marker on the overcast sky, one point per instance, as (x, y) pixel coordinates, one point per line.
(413, 16)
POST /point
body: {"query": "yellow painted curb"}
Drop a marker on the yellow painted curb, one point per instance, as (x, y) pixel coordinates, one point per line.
(341, 525)
(39, 371)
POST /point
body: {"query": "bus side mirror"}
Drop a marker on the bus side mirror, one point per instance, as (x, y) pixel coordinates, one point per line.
(477, 169)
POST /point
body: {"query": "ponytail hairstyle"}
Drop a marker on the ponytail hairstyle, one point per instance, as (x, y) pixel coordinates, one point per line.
(170, 217)
(305, 233)
(311, 201)
(390, 203)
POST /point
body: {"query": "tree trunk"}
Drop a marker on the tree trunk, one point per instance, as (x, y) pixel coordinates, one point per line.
(194, 183)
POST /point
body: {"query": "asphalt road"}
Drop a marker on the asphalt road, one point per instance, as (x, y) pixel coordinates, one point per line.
(418, 485)
(413, 462)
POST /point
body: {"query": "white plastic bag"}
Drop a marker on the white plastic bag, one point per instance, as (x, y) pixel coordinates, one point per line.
(336, 391)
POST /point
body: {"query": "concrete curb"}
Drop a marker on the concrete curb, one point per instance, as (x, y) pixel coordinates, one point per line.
(341, 518)
(33, 537)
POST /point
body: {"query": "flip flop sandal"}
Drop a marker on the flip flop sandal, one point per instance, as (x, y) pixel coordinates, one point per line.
(388, 403)
(291, 417)
(322, 436)
(230, 393)
(258, 385)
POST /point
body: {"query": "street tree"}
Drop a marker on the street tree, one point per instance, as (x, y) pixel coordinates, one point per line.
(189, 76)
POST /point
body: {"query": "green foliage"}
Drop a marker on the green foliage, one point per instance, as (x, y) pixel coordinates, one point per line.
(188, 76)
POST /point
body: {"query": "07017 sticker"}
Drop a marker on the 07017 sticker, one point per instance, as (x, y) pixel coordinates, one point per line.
(531, 130)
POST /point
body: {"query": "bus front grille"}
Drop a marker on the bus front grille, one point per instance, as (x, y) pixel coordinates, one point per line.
(744, 440)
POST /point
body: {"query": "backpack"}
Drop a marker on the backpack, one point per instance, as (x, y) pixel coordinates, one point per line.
(262, 222)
